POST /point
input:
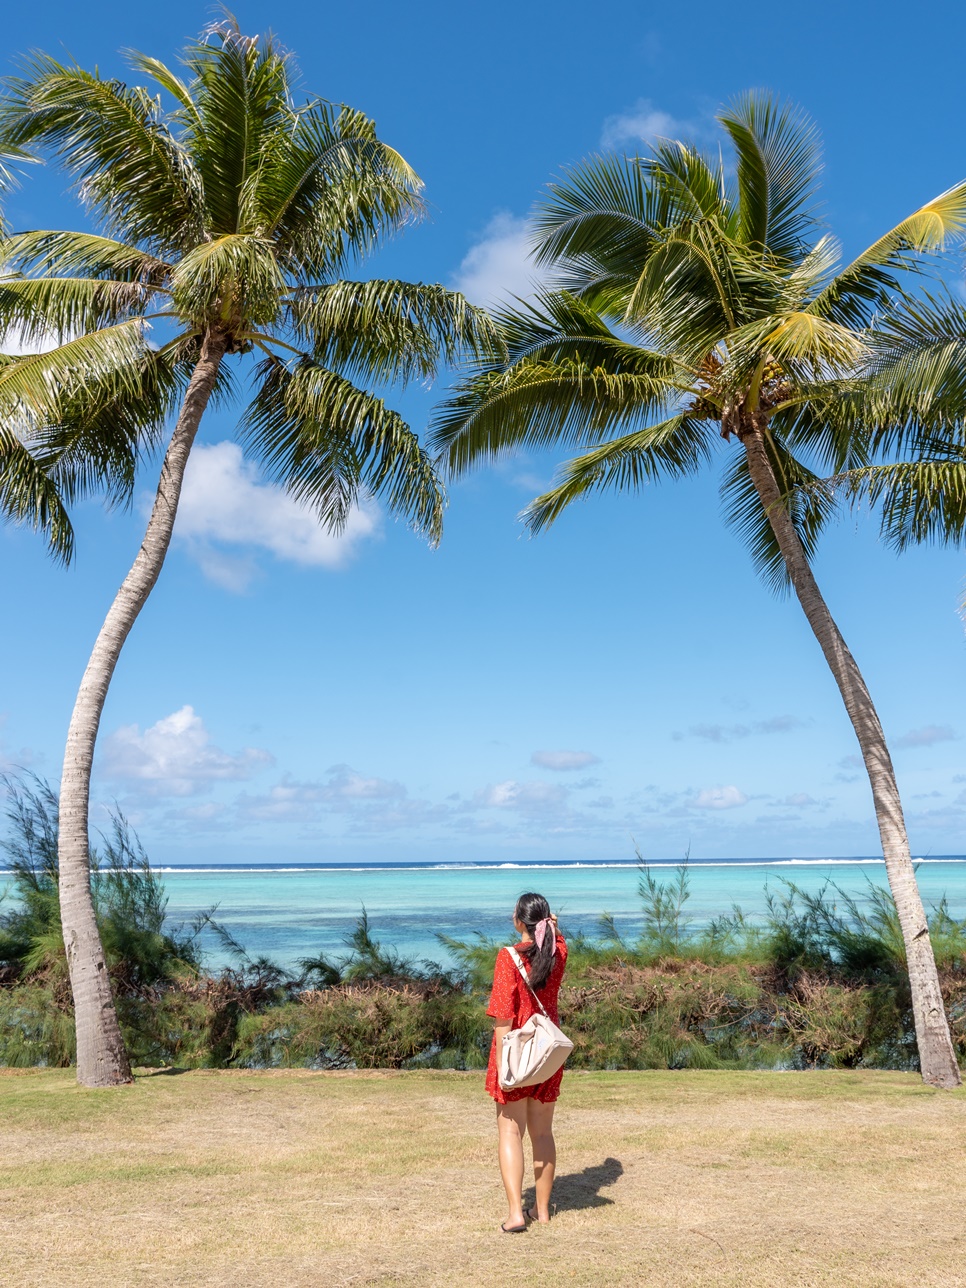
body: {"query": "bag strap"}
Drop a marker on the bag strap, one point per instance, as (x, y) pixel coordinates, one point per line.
(526, 979)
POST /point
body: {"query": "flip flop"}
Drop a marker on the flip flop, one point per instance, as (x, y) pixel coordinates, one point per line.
(514, 1229)
(528, 1213)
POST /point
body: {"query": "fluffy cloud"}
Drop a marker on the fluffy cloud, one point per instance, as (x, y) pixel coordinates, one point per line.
(927, 736)
(529, 797)
(729, 733)
(719, 798)
(800, 800)
(564, 759)
(225, 502)
(498, 265)
(175, 757)
(643, 123)
(343, 790)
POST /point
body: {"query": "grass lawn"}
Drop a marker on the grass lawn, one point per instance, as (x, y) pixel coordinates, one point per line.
(294, 1178)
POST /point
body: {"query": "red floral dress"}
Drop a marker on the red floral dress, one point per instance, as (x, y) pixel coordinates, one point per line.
(512, 999)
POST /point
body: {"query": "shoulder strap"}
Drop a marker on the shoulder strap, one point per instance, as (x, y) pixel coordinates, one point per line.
(526, 979)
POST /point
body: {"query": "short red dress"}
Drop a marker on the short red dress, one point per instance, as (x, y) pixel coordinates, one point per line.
(512, 999)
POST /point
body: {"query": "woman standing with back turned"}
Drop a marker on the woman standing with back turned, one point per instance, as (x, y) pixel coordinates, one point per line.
(526, 1110)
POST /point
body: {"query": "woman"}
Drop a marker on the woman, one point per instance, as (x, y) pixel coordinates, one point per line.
(526, 1109)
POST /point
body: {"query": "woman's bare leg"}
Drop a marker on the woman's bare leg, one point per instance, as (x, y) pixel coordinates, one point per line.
(540, 1127)
(511, 1123)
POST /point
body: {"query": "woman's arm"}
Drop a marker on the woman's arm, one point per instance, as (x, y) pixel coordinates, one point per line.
(500, 1029)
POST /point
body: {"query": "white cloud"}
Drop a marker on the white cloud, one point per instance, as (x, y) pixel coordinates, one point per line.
(927, 736)
(225, 501)
(499, 264)
(346, 785)
(719, 798)
(564, 759)
(175, 757)
(728, 733)
(643, 123)
(345, 790)
(529, 797)
(800, 800)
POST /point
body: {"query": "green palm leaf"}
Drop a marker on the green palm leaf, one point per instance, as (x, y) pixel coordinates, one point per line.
(331, 444)
(673, 448)
(129, 167)
(777, 173)
(379, 330)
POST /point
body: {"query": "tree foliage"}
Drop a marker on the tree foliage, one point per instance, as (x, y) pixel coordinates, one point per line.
(220, 205)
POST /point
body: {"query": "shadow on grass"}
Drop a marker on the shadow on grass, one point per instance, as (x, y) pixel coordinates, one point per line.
(169, 1071)
(575, 1190)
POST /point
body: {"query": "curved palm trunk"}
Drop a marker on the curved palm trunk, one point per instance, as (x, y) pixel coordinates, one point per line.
(101, 1058)
(936, 1055)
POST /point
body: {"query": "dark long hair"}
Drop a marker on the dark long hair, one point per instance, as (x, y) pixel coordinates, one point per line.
(530, 909)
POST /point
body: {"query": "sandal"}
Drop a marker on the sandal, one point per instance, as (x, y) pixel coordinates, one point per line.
(531, 1214)
(514, 1229)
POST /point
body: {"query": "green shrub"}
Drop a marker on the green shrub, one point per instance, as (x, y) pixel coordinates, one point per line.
(819, 983)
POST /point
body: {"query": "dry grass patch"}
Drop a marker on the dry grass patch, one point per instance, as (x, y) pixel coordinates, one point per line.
(296, 1178)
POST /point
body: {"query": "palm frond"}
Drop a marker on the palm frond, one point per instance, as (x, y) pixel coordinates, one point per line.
(604, 210)
(28, 495)
(806, 348)
(235, 277)
(75, 254)
(33, 387)
(917, 376)
(37, 308)
(865, 284)
(328, 188)
(687, 186)
(777, 173)
(165, 77)
(673, 448)
(921, 500)
(534, 404)
(239, 86)
(113, 139)
(331, 444)
(105, 429)
(387, 330)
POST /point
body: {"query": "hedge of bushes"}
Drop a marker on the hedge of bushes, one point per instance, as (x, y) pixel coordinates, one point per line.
(819, 983)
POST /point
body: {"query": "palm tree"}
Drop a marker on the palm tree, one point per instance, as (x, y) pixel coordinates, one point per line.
(227, 224)
(690, 305)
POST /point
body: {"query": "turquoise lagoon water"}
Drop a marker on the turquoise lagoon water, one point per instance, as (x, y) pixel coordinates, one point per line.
(290, 912)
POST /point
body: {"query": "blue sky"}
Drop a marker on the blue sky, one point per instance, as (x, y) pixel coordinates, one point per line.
(624, 678)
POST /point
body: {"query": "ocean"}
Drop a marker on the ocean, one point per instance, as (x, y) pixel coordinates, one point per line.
(288, 912)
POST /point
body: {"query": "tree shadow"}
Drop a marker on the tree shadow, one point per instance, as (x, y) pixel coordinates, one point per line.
(576, 1190)
(169, 1071)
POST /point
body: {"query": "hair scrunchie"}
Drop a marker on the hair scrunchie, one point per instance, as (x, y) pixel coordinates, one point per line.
(539, 934)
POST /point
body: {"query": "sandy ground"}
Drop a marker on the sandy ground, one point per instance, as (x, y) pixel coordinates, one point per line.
(287, 1179)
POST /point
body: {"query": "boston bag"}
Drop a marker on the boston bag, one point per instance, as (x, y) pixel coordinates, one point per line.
(536, 1051)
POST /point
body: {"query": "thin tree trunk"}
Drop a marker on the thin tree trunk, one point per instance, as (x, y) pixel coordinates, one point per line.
(101, 1058)
(937, 1059)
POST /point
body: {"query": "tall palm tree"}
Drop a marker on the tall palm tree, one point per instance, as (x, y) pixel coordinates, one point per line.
(227, 224)
(690, 304)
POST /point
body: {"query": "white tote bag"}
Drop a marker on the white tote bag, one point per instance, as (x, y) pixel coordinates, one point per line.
(535, 1052)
